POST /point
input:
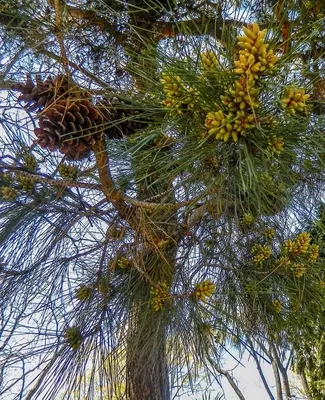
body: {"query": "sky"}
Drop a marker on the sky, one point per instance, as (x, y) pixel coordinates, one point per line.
(248, 380)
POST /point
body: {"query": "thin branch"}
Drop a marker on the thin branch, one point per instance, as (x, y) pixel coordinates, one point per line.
(55, 182)
(276, 377)
(259, 368)
(282, 371)
(231, 381)
(305, 385)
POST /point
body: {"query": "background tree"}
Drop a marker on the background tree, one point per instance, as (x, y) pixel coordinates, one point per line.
(161, 165)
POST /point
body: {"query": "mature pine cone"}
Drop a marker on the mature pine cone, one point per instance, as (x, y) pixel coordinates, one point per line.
(39, 95)
(70, 126)
(120, 119)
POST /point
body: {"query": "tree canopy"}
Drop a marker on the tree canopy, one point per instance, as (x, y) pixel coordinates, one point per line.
(161, 196)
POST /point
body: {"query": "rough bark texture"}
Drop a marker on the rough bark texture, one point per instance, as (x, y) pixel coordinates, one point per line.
(305, 385)
(147, 372)
(147, 367)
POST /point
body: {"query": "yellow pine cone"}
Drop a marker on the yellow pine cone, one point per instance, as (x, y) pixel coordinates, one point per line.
(294, 100)
(289, 246)
(178, 97)
(8, 193)
(244, 89)
(276, 144)
(248, 219)
(73, 337)
(302, 243)
(313, 253)
(214, 120)
(209, 60)
(254, 49)
(159, 296)
(284, 262)
(84, 293)
(204, 290)
(173, 88)
(261, 253)
(171, 82)
(68, 172)
(277, 305)
(300, 270)
(269, 233)
(247, 64)
(29, 161)
(230, 125)
(267, 60)
(123, 262)
(298, 246)
(25, 182)
(189, 99)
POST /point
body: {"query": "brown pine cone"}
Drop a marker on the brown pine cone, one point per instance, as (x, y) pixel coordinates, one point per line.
(120, 119)
(39, 95)
(71, 127)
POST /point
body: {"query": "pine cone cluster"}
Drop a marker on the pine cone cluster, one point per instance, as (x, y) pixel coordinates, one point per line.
(68, 122)
(120, 118)
(70, 126)
(40, 94)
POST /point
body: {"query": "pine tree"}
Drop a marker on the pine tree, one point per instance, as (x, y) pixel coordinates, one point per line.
(161, 166)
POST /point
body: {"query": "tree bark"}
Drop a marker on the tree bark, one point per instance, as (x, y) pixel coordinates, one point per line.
(283, 372)
(147, 364)
(305, 385)
(146, 367)
(276, 377)
(232, 383)
(259, 368)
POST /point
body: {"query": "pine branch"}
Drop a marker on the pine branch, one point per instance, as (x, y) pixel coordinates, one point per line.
(111, 193)
(305, 385)
(231, 381)
(51, 181)
(259, 368)
(282, 371)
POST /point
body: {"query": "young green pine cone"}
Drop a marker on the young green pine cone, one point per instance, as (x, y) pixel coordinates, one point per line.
(248, 219)
(85, 293)
(294, 100)
(159, 296)
(269, 233)
(123, 262)
(8, 193)
(73, 337)
(203, 290)
(209, 60)
(277, 306)
(68, 172)
(302, 243)
(29, 161)
(103, 286)
(276, 145)
(261, 253)
(300, 270)
(25, 182)
(289, 246)
(313, 253)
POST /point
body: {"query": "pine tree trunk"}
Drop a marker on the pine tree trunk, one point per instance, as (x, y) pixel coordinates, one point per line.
(147, 371)
(146, 358)
(147, 364)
